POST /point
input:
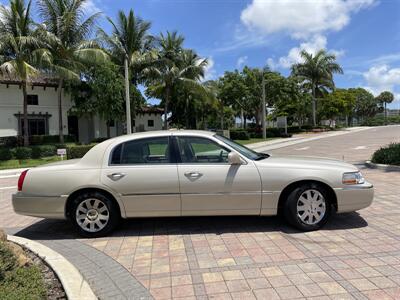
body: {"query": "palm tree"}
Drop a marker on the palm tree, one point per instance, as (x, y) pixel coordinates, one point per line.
(19, 45)
(384, 98)
(129, 45)
(175, 67)
(317, 71)
(66, 32)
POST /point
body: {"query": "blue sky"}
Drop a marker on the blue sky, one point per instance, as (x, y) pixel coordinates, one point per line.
(364, 34)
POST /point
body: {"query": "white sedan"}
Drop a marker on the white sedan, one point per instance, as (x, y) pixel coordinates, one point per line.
(188, 173)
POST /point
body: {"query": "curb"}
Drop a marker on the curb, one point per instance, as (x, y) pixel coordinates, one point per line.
(389, 168)
(75, 286)
(9, 173)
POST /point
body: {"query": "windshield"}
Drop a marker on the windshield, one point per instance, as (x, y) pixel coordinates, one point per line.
(251, 154)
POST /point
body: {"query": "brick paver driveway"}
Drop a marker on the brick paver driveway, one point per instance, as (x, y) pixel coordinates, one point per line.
(356, 256)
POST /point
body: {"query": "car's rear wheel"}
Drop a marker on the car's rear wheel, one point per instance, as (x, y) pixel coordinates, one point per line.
(308, 207)
(94, 214)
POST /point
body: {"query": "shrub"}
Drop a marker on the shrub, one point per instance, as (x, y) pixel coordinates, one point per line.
(5, 154)
(49, 139)
(389, 155)
(43, 151)
(99, 140)
(22, 152)
(9, 141)
(78, 151)
(8, 262)
(239, 134)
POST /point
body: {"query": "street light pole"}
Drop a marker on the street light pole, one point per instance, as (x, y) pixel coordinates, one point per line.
(264, 129)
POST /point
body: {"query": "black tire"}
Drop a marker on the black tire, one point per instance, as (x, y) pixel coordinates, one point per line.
(290, 207)
(114, 215)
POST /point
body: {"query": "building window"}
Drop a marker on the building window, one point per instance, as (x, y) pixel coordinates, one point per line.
(36, 126)
(33, 100)
(150, 123)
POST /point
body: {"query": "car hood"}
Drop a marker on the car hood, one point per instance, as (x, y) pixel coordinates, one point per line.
(306, 162)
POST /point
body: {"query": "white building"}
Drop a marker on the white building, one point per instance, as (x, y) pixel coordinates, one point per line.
(43, 114)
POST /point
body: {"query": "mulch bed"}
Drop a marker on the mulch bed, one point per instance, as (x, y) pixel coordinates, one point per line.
(55, 289)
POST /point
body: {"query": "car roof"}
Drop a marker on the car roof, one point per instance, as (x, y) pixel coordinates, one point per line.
(159, 133)
(95, 155)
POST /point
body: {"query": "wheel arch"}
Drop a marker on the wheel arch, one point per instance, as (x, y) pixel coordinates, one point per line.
(103, 191)
(290, 187)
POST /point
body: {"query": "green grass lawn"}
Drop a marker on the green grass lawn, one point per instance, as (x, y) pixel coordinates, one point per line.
(26, 163)
(252, 141)
(19, 281)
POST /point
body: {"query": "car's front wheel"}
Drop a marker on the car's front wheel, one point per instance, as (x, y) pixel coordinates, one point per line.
(94, 214)
(308, 207)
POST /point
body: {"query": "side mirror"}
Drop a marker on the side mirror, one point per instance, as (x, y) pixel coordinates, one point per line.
(234, 159)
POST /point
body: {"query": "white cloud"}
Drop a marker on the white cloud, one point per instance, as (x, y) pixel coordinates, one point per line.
(91, 7)
(382, 78)
(210, 73)
(301, 19)
(314, 44)
(241, 61)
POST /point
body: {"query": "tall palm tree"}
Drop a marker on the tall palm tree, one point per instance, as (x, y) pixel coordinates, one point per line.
(129, 45)
(66, 31)
(175, 66)
(317, 71)
(19, 45)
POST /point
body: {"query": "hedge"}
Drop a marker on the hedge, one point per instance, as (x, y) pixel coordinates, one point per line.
(5, 154)
(22, 152)
(239, 134)
(15, 141)
(389, 155)
(380, 121)
(78, 151)
(43, 151)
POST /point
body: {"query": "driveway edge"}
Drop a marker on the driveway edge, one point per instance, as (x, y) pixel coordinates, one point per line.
(75, 286)
(388, 168)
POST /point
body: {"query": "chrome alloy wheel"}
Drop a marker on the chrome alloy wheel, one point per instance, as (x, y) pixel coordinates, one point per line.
(311, 207)
(92, 215)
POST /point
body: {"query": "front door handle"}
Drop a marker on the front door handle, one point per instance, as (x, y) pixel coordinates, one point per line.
(193, 174)
(116, 176)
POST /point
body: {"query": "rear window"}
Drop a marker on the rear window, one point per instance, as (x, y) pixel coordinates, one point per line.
(142, 151)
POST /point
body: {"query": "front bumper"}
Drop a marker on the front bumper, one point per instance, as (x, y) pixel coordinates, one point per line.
(354, 197)
(39, 206)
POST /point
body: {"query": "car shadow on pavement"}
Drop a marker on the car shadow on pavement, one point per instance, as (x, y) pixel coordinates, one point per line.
(58, 229)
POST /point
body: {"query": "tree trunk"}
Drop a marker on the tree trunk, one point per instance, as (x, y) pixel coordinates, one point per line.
(314, 113)
(385, 115)
(187, 121)
(127, 98)
(60, 117)
(222, 117)
(242, 118)
(166, 108)
(108, 129)
(25, 112)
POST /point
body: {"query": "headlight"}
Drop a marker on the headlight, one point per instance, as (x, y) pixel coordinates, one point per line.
(353, 178)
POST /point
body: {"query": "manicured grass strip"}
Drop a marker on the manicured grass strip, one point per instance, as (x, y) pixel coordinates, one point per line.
(27, 163)
(19, 282)
(252, 141)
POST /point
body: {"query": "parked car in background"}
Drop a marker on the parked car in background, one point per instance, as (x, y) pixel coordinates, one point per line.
(188, 173)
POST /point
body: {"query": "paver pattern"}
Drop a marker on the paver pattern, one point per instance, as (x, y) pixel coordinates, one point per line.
(356, 256)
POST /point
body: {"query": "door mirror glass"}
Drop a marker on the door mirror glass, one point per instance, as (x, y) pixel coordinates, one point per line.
(234, 158)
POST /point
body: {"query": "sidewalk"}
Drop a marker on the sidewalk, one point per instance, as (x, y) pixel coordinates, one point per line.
(301, 138)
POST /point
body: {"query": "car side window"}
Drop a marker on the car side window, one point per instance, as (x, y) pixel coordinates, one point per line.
(201, 150)
(142, 151)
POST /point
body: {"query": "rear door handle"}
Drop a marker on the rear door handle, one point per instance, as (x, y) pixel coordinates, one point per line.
(116, 176)
(193, 174)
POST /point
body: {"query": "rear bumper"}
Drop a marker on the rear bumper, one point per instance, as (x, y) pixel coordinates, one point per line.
(39, 206)
(355, 197)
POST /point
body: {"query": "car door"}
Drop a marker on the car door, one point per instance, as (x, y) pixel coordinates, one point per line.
(209, 185)
(144, 174)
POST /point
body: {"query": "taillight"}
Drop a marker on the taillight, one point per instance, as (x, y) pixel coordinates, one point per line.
(21, 179)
